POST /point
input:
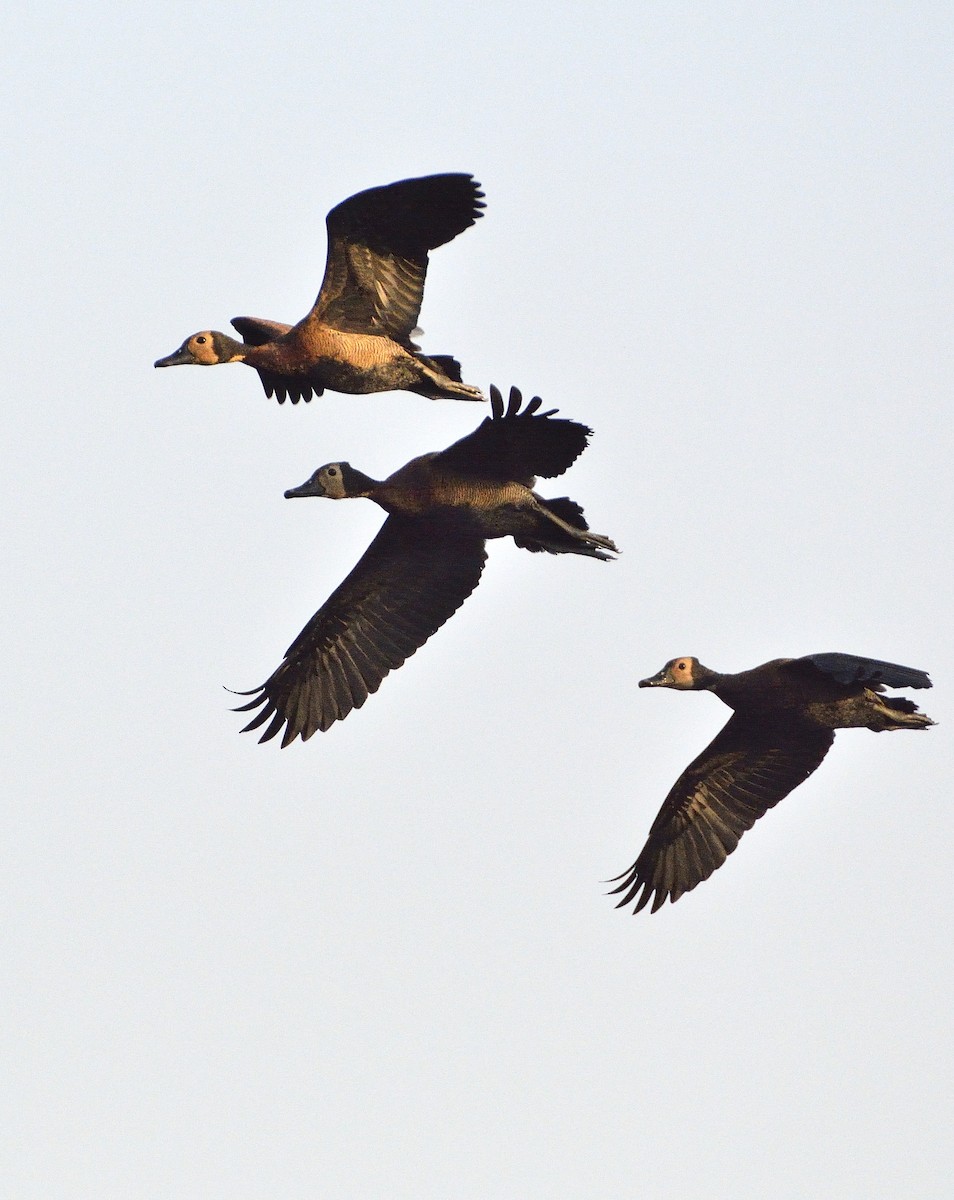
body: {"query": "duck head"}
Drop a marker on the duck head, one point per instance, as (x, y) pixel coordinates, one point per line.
(204, 349)
(336, 481)
(685, 674)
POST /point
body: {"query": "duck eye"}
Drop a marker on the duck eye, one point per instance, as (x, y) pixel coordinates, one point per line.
(200, 341)
(680, 666)
(332, 470)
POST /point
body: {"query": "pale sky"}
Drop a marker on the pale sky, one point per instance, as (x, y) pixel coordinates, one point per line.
(382, 963)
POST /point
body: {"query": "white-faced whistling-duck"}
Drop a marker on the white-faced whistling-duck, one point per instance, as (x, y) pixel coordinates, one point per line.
(357, 337)
(426, 559)
(786, 714)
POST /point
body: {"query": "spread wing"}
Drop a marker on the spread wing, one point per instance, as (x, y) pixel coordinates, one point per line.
(518, 446)
(411, 579)
(872, 672)
(745, 771)
(289, 387)
(256, 331)
(378, 242)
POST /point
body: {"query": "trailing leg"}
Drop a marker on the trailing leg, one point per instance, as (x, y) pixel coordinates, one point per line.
(562, 529)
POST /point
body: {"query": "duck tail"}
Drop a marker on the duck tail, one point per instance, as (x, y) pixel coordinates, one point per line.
(445, 364)
(897, 712)
(565, 531)
(441, 379)
(568, 510)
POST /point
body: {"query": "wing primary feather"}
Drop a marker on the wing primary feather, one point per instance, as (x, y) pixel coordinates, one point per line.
(411, 579)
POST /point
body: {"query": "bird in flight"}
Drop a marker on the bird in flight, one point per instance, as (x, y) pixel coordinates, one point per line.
(786, 714)
(357, 336)
(426, 559)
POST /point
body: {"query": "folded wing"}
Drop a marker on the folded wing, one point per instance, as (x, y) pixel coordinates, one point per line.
(849, 668)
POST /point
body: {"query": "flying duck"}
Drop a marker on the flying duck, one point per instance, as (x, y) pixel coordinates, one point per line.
(785, 716)
(357, 337)
(426, 559)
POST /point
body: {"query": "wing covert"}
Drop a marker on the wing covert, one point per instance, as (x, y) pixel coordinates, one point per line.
(378, 244)
(256, 331)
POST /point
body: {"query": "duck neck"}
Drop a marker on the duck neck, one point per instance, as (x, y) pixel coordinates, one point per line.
(356, 483)
(704, 680)
(227, 349)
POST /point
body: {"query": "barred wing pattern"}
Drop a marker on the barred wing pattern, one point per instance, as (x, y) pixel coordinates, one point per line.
(745, 771)
(411, 579)
(378, 243)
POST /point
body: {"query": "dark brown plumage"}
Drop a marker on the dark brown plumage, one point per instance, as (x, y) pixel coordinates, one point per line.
(426, 559)
(786, 714)
(357, 336)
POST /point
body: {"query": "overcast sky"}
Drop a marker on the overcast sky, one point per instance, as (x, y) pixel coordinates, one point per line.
(382, 963)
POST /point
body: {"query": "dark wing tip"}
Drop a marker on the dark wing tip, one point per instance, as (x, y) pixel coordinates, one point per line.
(275, 711)
(634, 883)
(520, 441)
(408, 583)
(284, 387)
(409, 216)
(474, 189)
(530, 409)
(256, 693)
(479, 196)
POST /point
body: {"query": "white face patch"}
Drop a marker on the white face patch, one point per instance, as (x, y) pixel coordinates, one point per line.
(331, 478)
(681, 671)
(202, 348)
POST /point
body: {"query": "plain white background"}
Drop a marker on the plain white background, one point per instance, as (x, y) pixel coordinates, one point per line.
(382, 963)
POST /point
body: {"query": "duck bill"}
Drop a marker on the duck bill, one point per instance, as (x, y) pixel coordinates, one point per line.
(311, 487)
(660, 679)
(179, 358)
